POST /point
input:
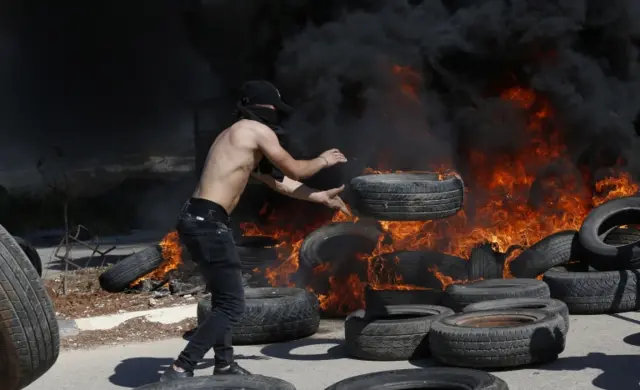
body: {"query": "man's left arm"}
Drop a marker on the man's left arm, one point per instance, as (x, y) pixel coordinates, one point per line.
(297, 190)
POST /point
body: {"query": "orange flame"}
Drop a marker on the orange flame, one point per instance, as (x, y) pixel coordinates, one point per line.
(172, 255)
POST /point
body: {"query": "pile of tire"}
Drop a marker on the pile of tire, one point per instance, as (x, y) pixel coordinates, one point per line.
(254, 252)
(595, 270)
(28, 325)
(500, 323)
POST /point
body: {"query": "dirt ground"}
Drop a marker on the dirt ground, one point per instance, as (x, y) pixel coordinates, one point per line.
(131, 331)
(84, 297)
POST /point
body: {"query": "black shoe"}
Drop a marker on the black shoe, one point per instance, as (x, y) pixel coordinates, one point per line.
(232, 369)
(171, 374)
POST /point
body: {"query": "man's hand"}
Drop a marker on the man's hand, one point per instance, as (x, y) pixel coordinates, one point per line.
(333, 157)
(331, 199)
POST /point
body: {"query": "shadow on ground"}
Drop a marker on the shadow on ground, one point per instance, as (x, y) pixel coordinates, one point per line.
(285, 350)
(85, 262)
(141, 371)
(633, 339)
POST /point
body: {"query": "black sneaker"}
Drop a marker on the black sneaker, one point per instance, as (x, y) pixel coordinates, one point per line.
(171, 374)
(232, 369)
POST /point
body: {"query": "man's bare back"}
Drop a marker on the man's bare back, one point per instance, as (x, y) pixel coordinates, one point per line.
(235, 154)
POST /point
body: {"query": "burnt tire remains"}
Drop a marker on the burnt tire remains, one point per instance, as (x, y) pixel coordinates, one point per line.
(554, 250)
(398, 334)
(498, 338)
(416, 267)
(595, 292)
(458, 296)
(423, 378)
(30, 339)
(604, 219)
(551, 305)
(407, 196)
(123, 273)
(223, 382)
(272, 315)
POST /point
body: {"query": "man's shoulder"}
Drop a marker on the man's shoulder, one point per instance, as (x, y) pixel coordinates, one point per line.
(251, 126)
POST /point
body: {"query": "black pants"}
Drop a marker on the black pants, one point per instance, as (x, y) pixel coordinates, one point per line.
(203, 229)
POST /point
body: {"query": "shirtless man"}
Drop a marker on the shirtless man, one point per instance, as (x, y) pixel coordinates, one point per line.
(203, 221)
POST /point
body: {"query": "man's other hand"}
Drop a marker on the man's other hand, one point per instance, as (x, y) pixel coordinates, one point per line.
(331, 199)
(333, 157)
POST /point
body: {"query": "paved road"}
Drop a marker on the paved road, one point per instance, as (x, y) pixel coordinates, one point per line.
(603, 352)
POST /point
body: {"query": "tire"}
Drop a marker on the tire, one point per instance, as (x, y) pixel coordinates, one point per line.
(359, 238)
(619, 236)
(554, 250)
(609, 257)
(484, 264)
(456, 341)
(398, 334)
(377, 300)
(123, 273)
(414, 267)
(256, 252)
(29, 335)
(423, 378)
(223, 382)
(407, 196)
(272, 315)
(459, 296)
(31, 252)
(595, 292)
(554, 306)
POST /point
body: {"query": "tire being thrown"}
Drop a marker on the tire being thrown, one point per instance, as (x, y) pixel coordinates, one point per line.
(31, 252)
(423, 378)
(223, 382)
(407, 196)
(120, 276)
(603, 219)
(498, 338)
(458, 296)
(554, 250)
(272, 315)
(398, 334)
(417, 267)
(595, 292)
(548, 304)
(29, 334)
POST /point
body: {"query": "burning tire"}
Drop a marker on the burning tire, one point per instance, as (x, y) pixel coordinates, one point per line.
(377, 300)
(459, 296)
(319, 247)
(272, 315)
(223, 382)
(554, 250)
(31, 252)
(28, 326)
(484, 263)
(123, 273)
(547, 304)
(609, 257)
(422, 268)
(498, 338)
(407, 196)
(595, 292)
(256, 252)
(423, 378)
(400, 333)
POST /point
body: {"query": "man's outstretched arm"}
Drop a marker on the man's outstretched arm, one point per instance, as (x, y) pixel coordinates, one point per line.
(297, 190)
(268, 143)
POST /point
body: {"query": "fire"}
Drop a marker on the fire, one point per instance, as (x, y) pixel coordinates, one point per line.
(497, 211)
(172, 255)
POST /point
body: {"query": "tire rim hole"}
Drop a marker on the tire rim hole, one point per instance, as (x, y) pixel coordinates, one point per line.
(495, 321)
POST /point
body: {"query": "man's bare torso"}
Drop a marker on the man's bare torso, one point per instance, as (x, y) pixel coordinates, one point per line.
(232, 157)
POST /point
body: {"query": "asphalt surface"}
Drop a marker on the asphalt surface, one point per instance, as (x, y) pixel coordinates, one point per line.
(603, 352)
